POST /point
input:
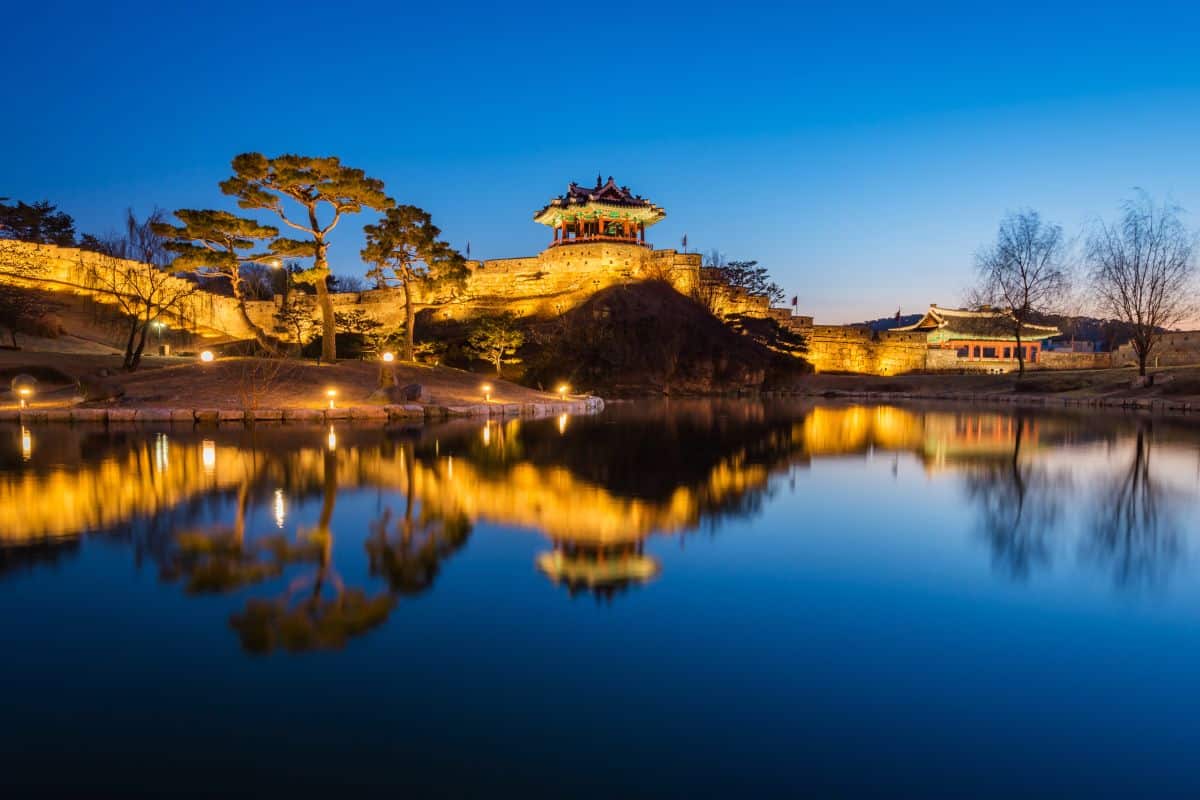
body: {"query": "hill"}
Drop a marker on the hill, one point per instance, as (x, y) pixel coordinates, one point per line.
(648, 338)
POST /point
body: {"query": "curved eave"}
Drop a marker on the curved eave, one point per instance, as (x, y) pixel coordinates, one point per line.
(597, 573)
(558, 211)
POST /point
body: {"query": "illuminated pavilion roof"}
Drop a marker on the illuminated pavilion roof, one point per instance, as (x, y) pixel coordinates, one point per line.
(605, 199)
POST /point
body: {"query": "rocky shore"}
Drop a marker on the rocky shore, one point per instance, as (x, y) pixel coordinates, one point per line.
(412, 412)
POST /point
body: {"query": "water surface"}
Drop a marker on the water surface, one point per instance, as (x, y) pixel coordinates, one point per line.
(689, 599)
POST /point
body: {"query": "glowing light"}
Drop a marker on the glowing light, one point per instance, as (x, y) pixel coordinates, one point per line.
(162, 453)
(487, 392)
(26, 444)
(25, 393)
(562, 391)
(487, 433)
(276, 263)
(331, 439)
(389, 357)
(331, 393)
(280, 509)
(207, 356)
(562, 424)
(208, 455)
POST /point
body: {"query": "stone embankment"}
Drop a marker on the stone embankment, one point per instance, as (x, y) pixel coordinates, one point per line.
(1155, 404)
(391, 413)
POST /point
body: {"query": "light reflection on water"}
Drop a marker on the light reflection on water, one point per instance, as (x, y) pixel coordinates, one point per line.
(758, 543)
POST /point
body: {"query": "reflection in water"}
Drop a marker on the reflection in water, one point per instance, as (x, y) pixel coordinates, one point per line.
(1134, 531)
(1020, 503)
(599, 490)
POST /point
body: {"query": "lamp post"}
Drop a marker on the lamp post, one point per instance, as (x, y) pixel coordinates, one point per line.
(24, 392)
(331, 394)
(562, 391)
(276, 264)
(487, 392)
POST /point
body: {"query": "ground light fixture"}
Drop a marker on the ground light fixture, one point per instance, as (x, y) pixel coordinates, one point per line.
(487, 392)
(389, 357)
(331, 393)
(25, 393)
(207, 356)
(562, 391)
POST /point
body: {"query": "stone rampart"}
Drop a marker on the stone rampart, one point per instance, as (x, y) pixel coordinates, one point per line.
(1172, 350)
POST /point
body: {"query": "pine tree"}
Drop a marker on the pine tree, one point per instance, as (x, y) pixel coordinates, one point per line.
(263, 183)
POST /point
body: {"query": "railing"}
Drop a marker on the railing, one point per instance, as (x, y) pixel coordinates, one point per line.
(603, 238)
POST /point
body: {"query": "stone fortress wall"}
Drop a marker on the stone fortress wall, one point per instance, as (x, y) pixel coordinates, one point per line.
(550, 283)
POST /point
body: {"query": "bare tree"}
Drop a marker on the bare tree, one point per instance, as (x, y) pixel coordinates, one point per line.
(136, 280)
(1142, 272)
(1025, 272)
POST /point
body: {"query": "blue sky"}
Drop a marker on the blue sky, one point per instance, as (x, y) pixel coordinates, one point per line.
(863, 153)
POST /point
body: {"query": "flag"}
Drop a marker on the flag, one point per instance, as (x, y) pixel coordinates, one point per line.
(685, 243)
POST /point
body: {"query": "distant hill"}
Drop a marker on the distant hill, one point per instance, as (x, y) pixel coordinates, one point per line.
(887, 323)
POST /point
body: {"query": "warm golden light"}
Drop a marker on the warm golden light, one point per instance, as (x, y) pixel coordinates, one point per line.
(562, 391)
(487, 392)
(208, 455)
(331, 439)
(207, 356)
(162, 453)
(562, 424)
(487, 434)
(389, 357)
(26, 444)
(276, 263)
(331, 393)
(280, 509)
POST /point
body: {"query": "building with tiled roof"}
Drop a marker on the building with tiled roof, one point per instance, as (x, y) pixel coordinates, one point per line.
(604, 212)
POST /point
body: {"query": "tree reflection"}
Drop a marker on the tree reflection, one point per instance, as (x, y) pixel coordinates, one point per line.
(410, 557)
(1019, 507)
(305, 618)
(1134, 531)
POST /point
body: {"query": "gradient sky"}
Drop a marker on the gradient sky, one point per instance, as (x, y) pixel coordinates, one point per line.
(863, 153)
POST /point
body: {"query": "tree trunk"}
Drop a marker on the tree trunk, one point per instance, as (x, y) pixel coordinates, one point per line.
(127, 362)
(260, 336)
(1142, 357)
(499, 357)
(410, 319)
(1020, 357)
(328, 326)
(141, 346)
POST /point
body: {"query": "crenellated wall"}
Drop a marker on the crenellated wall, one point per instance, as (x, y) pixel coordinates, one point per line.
(547, 284)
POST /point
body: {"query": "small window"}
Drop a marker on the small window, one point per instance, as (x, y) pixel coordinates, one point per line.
(1008, 352)
(964, 352)
(977, 351)
(989, 352)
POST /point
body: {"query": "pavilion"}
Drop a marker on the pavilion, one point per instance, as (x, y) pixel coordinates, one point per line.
(983, 335)
(603, 213)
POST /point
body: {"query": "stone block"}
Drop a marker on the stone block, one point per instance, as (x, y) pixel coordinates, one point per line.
(90, 414)
(154, 415)
(232, 415)
(34, 415)
(368, 413)
(303, 415)
(123, 415)
(183, 415)
(263, 414)
(206, 415)
(337, 413)
(511, 409)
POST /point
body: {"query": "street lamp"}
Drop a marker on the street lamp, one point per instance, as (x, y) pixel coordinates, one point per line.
(487, 392)
(389, 357)
(562, 391)
(331, 393)
(207, 356)
(25, 393)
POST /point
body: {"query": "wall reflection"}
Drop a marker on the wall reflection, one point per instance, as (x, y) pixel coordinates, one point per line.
(598, 489)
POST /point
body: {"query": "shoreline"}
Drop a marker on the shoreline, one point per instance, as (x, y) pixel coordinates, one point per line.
(412, 412)
(1156, 404)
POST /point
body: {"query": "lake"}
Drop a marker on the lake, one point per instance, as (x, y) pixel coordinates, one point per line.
(695, 598)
